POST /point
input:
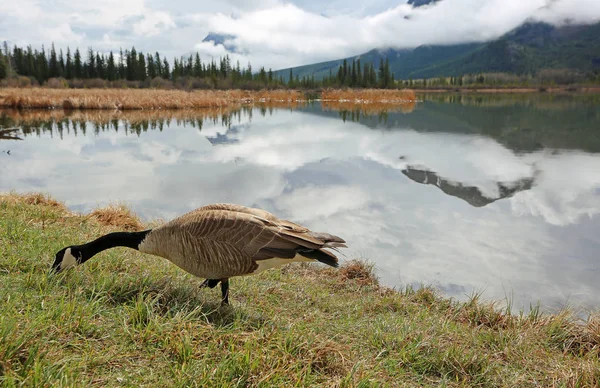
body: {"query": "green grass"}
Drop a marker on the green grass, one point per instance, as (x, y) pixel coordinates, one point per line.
(125, 319)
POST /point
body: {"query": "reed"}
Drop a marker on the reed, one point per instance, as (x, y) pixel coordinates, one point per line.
(158, 99)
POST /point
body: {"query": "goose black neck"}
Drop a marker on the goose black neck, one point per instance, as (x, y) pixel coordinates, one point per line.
(118, 239)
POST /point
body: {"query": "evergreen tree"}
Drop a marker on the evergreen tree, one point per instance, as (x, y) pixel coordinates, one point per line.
(42, 66)
(150, 66)
(100, 66)
(189, 66)
(91, 64)
(165, 67)
(387, 77)
(61, 64)
(77, 65)
(197, 66)
(158, 64)
(53, 65)
(141, 67)
(121, 69)
(3, 66)
(111, 68)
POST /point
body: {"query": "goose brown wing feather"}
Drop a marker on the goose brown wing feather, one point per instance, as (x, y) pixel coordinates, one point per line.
(257, 212)
(245, 230)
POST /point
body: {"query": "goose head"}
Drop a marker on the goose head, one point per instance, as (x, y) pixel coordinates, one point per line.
(66, 258)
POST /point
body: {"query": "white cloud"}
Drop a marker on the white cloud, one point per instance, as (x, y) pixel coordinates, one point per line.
(275, 33)
(154, 23)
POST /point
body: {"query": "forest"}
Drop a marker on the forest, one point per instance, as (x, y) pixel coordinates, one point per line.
(23, 67)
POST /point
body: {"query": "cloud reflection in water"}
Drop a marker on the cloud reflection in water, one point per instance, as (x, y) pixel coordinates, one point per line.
(536, 242)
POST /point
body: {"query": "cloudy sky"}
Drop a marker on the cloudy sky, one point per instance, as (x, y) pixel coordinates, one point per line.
(273, 33)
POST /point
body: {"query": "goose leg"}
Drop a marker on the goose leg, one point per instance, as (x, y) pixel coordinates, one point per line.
(224, 291)
(210, 283)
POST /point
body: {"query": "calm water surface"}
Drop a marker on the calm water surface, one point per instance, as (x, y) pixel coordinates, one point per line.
(468, 194)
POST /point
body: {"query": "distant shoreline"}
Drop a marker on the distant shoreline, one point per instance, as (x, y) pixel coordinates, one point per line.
(556, 89)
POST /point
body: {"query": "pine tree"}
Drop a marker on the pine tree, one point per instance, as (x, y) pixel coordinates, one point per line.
(77, 65)
(387, 75)
(3, 66)
(61, 64)
(91, 64)
(53, 65)
(111, 68)
(141, 67)
(197, 66)
(165, 67)
(158, 64)
(121, 69)
(150, 66)
(42, 66)
(100, 66)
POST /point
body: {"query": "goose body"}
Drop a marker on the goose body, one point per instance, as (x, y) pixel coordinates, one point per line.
(217, 242)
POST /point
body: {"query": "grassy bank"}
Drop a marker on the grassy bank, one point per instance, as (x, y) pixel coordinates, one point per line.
(152, 99)
(125, 319)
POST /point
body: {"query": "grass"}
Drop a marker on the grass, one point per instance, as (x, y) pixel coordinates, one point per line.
(126, 319)
(154, 99)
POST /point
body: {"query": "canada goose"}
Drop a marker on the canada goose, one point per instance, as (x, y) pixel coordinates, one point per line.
(217, 242)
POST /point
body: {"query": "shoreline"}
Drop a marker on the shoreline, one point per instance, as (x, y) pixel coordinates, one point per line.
(540, 90)
(140, 320)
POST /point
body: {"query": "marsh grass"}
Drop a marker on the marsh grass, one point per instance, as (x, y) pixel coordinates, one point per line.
(126, 319)
(158, 99)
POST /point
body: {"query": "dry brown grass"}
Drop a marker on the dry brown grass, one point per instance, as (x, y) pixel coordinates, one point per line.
(158, 99)
(359, 272)
(40, 199)
(137, 99)
(117, 216)
(120, 99)
(369, 96)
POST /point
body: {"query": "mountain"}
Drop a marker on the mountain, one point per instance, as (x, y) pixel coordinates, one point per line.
(527, 49)
(223, 39)
(420, 3)
(471, 194)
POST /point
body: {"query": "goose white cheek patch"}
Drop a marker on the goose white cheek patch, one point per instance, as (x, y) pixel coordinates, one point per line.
(68, 260)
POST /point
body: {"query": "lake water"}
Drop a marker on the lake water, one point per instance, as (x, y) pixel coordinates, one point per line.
(499, 195)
